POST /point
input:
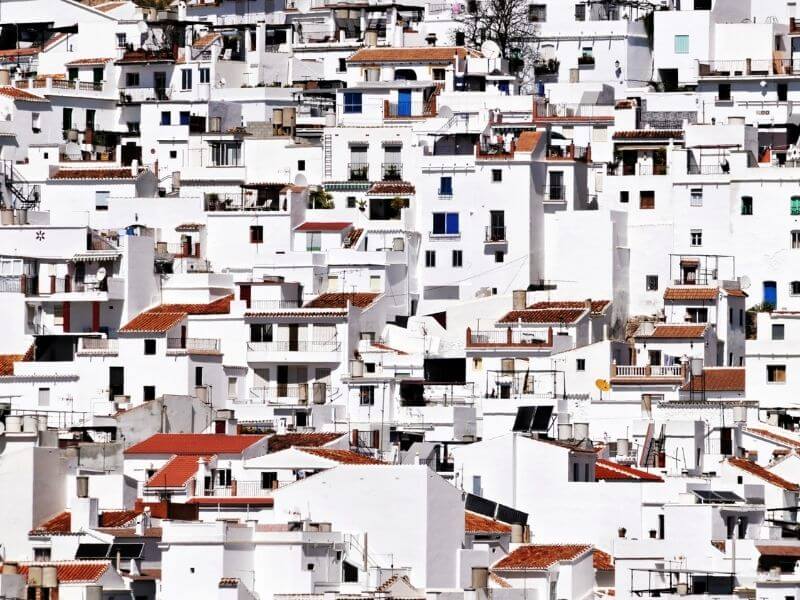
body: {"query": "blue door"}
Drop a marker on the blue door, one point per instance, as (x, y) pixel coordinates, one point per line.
(404, 103)
(770, 293)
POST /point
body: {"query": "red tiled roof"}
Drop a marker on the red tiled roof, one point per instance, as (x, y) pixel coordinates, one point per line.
(11, 52)
(649, 134)
(339, 300)
(108, 7)
(381, 346)
(88, 61)
(222, 306)
(691, 293)
(718, 380)
(153, 322)
(60, 523)
(778, 550)
(736, 293)
(784, 440)
(678, 331)
(298, 314)
(7, 363)
(132, 57)
(420, 54)
(602, 560)
(391, 188)
(205, 40)
(117, 518)
(606, 470)
(547, 315)
(499, 581)
(474, 523)
(178, 470)
(528, 141)
(345, 457)
(762, 473)
(231, 501)
(306, 440)
(189, 227)
(194, 443)
(93, 174)
(73, 571)
(598, 306)
(18, 94)
(229, 582)
(538, 557)
(323, 226)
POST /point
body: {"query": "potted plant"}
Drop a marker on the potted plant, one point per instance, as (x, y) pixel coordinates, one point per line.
(362, 205)
(397, 203)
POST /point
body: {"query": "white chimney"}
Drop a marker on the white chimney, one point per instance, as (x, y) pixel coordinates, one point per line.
(143, 524)
(134, 168)
(85, 514)
(200, 478)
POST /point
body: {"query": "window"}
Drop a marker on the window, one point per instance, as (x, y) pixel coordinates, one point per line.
(226, 154)
(260, 332)
(90, 115)
(580, 364)
(205, 75)
(776, 373)
(173, 154)
(624, 197)
(41, 554)
(101, 200)
(313, 241)
(352, 103)
(122, 39)
(66, 118)
(149, 347)
(36, 125)
(132, 79)
(681, 44)
(777, 331)
(351, 202)
(537, 13)
(374, 283)
(185, 117)
(783, 92)
(499, 256)
(148, 393)
(795, 288)
(232, 386)
(44, 396)
(342, 65)
(697, 315)
(366, 395)
(369, 367)
(186, 79)
(651, 283)
(166, 117)
(458, 258)
(580, 12)
(198, 376)
(795, 239)
(269, 480)
(430, 258)
(301, 165)
(445, 186)
(576, 472)
(438, 74)
(133, 126)
(747, 205)
(795, 206)
(256, 234)
(696, 197)
(724, 92)
(497, 175)
(647, 199)
(696, 237)
(333, 283)
(445, 224)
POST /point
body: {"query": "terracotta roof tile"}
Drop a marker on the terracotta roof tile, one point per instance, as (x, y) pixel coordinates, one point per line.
(499, 581)
(204, 41)
(323, 226)
(108, 7)
(539, 557)
(73, 571)
(60, 523)
(598, 306)
(18, 94)
(417, 54)
(132, 57)
(528, 141)
(691, 293)
(231, 501)
(649, 134)
(298, 314)
(79, 174)
(547, 315)
(88, 62)
(178, 470)
(780, 439)
(229, 582)
(602, 560)
(307, 440)
(718, 380)
(606, 470)
(474, 523)
(153, 322)
(736, 293)
(763, 474)
(391, 188)
(117, 518)
(778, 550)
(345, 457)
(7, 363)
(194, 443)
(12, 52)
(678, 331)
(222, 306)
(339, 300)
(381, 346)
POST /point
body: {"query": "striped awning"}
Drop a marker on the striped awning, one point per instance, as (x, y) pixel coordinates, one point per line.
(96, 256)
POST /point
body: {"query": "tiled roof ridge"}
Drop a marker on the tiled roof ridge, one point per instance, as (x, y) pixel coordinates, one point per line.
(758, 471)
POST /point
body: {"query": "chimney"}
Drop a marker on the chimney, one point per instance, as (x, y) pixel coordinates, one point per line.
(134, 168)
(143, 524)
(588, 304)
(85, 514)
(200, 478)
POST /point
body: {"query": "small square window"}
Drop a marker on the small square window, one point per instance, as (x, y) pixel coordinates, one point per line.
(681, 44)
(778, 331)
(256, 234)
(149, 393)
(132, 79)
(696, 197)
(351, 202)
(166, 117)
(301, 165)
(696, 237)
(647, 200)
(776, 373)
(149, 347)
(580, 364)
(497, 175)
(651, 283)
(624, 197)
(173, 154)
(458, 258)
(499, 256)
(430, 258)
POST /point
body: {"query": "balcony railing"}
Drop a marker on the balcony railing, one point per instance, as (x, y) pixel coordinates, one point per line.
(555, 193)
(239, 202)
(298, 393)
(585, 60)
(737, 68)
(248, 489)
(74, 84)
(142, 94)
(544, 110)
(295, 346)
(495, 233)
(200, 345)
(707, 169)
(508, 337)
(273, 304)
(358, 172)
(652, 169)
(98, 346)
(676, 371)
(20, 284)
(392, 171)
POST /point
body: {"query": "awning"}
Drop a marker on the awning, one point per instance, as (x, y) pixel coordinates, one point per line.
(96, 256)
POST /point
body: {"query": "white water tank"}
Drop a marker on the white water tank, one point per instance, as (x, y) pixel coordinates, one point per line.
(356, 368)
(581, 431)
(5, 77)
(13, 424)
(30, 423)
(82, 486)
(519, 299)
(320, 391)
(740, 414)
(49, 576)
(34, 576)
(564, 431)
(623, 447)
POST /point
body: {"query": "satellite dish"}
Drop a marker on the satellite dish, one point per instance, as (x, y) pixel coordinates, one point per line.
(490, 49)
(445, 112)
(602, 385)
(101, 273)
(744, 282)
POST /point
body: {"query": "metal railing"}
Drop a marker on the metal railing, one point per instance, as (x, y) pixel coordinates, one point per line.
(555, 193)
(295, 346)
(543, 109)
(274, 304)
(74, 84)
(250, 489)
(504, 337)
(358, 172)
(734, 68)
(274, 393)
(20, 284)
(142, 94)
(392, 171)
(194, 344)
(98, 345)
(239, 202)
(706, 169)
(495, 233)
(647, 371)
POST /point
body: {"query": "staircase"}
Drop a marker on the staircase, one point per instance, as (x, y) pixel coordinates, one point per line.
(327, 152)
(22, 193)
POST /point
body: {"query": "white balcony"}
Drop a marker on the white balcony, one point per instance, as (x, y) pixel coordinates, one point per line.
(291, 352)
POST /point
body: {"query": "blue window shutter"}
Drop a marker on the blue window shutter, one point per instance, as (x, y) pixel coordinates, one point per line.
(446, 186)
(438, 223)
(452, 222)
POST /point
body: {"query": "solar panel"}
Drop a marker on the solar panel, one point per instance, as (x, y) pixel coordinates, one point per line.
(705, 495)
(717, 497)
(479, 505)
(506, 514)
(126, 551)
(728, 497)
(91, 551)
(525, 417)
(541, 419)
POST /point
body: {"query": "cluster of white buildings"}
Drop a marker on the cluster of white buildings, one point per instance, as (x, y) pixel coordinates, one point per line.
(314, 300)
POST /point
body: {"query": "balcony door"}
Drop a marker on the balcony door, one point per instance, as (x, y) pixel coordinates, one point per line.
(116, 382)
(294, 337)
(498, 225)
(404, 103)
